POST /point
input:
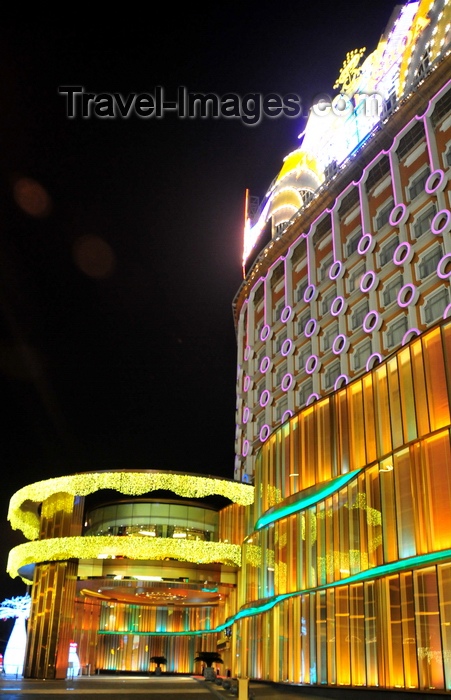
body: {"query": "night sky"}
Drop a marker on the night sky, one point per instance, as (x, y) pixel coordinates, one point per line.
(120, 238)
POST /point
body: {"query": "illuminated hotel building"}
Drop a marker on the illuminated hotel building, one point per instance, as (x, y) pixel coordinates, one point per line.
(330, 564)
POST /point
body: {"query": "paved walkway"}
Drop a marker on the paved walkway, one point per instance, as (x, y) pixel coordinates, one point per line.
(187, 687)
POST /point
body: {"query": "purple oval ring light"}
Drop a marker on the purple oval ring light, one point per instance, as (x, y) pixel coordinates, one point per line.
(287, 382)
(340, 344)
(373, 360)
(264, 432)
(309, 293)
(312, 364)
(287, 347)
(265, 397)
(287, 415)
(408, 294)
(403, 253)
(371, 322)
(444, 267)
(398, 215)
(336, 269)
(265, 332)
(368, 281)
(265, 364)
(341, 381)
(409, 335)
(366, 244)
(310, 327)
(441, 223)
(286, 314)
(247, 352)
(247, 383)
(435, 181)
(338, 306)
(311, 399)
(246, 414)
(245, 450)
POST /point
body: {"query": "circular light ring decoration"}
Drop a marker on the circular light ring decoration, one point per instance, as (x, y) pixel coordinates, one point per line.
(265, 364)
(286, 314)
(310, 293)
(287, 382)
(373, 360)
(247, 383)
(311, 399)
(435, 182)
(311, 328)
(409, 335)
(341, 381)
(265, 397)
(336, 270)
(247, 352)
(407, 295)
(441, 223)
(132, 547)
(444, 267)
(313, 364)
(338, 306)
(447, 311)
(246, 414)
(340, 344)
(245, 450)
(287, 347)
(23, 506)
(265, 332)
(403, 253)
(398, 215)
(287, 414)
(265, 431)
(366, 244)
(369, 281)
(372, 322)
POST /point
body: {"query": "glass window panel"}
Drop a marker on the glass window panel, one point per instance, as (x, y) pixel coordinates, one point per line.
(436, 380)
(444, 588)
(383, 427)
(342, 636)
(407, 395)
(370, 422)
(388, 511)
(356, 426)
(427, 619)
(437, 489)
(405, 504)
(409, 647)
(395, 403)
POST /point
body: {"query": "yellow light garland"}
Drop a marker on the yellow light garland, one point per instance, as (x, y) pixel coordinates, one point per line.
(23, 516)
(134, 548)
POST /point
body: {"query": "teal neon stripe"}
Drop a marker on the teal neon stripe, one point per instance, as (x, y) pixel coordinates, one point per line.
(376, 572)
(313, 496)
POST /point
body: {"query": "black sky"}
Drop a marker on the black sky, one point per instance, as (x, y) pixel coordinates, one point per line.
(124, 355)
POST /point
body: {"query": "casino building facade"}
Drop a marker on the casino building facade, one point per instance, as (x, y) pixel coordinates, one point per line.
(329, 561)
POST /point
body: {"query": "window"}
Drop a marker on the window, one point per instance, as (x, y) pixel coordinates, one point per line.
(355, 275)
(281, 372)
(305, 318)
(423, 222)
(327, 301)
(410, 140)
(353, 242)
(330, 334)
(304, 354)
(361, 354)
(448, 156)
(260, 389)
(435, 305)
(281, 407)
(359, 314)
(386, 254)
(278, 311)
(325, 267)
(260, 422)
(305, 391)
(442, 108)
(331, 374)
(396, 332)
(281, 337)
(376, 174)
(383, 215)
(300, 289)
(391, 289)
(429, 261)
(418, 183)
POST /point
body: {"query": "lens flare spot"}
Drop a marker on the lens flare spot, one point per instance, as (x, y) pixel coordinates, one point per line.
(32, 198)
(94, 256)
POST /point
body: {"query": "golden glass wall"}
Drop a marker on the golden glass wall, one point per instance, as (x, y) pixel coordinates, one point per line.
(352, 578)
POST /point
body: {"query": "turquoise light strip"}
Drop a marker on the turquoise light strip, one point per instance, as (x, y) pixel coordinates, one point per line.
(318, 494)
(376, 572)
